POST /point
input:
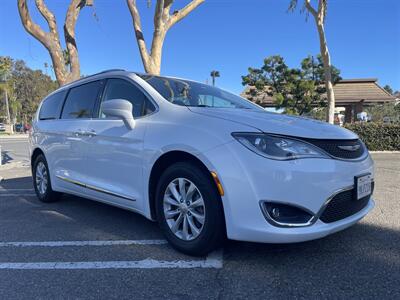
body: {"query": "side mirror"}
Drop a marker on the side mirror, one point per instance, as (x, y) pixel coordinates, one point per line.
(121, 109)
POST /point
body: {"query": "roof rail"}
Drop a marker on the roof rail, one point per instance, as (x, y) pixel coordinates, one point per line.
(110, 70)
(102, 72)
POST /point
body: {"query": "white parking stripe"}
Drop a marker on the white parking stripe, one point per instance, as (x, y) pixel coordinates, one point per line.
(15, 190)
(140, 264)
(15, 195)
(83, 243)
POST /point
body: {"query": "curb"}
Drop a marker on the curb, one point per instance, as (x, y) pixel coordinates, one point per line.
(14, 137)
(11, 165)
(386, 152)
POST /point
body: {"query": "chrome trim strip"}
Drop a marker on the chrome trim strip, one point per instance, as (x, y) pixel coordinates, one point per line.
(94, 188)
(313, 219)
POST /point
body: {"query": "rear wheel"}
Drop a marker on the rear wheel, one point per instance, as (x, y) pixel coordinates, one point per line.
(41, 180)
(189, 209)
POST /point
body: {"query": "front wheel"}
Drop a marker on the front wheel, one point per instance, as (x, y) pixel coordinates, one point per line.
(189, 209)
(41, 180)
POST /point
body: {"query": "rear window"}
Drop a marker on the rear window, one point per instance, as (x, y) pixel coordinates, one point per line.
(51, 107)
(81, 101)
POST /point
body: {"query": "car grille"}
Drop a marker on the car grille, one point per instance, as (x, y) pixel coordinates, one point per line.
(343, 205)
(332, 147)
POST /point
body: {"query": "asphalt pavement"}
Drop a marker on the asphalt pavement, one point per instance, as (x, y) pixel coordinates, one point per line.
(77, 248)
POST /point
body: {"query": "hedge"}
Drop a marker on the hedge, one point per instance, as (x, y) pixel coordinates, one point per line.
(378, 136)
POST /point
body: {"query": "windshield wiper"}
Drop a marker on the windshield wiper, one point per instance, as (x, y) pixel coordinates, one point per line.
(200, 105)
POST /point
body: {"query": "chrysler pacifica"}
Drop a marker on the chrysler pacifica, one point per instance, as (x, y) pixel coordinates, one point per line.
(202, 162)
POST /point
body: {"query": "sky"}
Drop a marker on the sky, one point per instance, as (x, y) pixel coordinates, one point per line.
(225, 35)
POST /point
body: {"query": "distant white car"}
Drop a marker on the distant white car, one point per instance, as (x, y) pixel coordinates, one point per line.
(2, 127)
(204, 163)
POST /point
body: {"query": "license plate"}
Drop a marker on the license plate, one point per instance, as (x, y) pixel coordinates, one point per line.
(363, 186)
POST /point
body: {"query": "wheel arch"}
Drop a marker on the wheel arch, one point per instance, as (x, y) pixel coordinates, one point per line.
(36, 153)
(162, 163)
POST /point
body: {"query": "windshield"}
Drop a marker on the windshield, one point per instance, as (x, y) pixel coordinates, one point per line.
(189, 93)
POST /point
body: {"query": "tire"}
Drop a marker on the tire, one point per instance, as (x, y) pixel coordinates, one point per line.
(44, 193)
(200, 238)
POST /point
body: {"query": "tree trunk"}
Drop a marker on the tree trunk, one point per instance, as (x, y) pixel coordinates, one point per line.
(163, 21)
(328, 75)
(7, 106)
(51, 40)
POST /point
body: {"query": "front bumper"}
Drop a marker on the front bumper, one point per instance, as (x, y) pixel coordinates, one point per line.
(248, 178)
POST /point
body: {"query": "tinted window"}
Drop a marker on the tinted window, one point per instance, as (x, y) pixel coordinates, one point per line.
(81, 101)
(51, 107)
(122, 89)
(190, 93)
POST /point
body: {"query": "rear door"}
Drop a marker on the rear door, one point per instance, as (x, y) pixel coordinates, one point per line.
(115, 158)
(70, 153)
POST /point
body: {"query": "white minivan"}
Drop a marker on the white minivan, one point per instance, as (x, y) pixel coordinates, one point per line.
(202, 162)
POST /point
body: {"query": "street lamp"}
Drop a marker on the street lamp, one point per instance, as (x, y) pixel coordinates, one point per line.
(214, 74)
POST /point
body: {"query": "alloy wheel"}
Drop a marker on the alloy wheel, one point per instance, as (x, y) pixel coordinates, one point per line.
(184, 209)
(41, 178)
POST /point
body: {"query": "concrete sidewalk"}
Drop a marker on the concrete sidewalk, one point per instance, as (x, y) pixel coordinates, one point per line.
(13, 136)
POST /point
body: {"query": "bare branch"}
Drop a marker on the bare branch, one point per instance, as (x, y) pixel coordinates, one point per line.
(138, 31)
(49, 40)
(311, 9)
(69, 34)
(163, 21)
(31, 27)
(180, 14)
(158, 14)
(322, 6)
(167, 7)
(48, 16)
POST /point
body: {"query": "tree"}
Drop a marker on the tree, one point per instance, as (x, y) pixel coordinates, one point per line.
(25, 88)
(65, 61)
(214, 74)
(5, 68)
(163, 21)
(388, 89)
(297, 91)
(319, 16)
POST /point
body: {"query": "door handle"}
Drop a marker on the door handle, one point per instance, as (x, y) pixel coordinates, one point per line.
(91, 133)
(79, 133)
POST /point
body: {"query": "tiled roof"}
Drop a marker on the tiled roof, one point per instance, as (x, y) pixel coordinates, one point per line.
(346, 91)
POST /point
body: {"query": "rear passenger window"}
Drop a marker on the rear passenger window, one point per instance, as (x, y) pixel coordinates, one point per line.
(81, 101)
(122, 89)
(51, 107)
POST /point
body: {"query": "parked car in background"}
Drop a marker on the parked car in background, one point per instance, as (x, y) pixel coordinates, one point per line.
(2, 127)
(202, 162)
(19, 127)
(27, 127)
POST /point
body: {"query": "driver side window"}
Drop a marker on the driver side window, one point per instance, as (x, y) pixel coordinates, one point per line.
(122, 89)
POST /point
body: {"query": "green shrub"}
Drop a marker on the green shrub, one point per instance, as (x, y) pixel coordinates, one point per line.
(378, 136)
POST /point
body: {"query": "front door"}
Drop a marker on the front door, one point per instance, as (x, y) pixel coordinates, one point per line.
(115, 153)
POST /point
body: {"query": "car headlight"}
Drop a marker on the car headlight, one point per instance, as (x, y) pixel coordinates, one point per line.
(278, 147)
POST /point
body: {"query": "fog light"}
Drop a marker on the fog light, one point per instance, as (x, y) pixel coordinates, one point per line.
(286, 215)
(275, 213)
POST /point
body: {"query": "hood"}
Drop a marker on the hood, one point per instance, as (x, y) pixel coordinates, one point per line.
(278, 123)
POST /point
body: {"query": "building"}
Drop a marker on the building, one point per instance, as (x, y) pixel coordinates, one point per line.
(352, 94)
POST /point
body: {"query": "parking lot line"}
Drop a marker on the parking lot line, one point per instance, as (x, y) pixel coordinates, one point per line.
(83, 243)
(213, 261)
(140, 264)
(20, 195)
(15, 190)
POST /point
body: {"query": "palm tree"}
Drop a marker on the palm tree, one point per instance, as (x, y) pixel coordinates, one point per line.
(214, 74)
(319, 16)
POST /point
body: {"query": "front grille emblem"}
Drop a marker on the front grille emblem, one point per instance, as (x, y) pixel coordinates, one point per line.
(349, 148)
